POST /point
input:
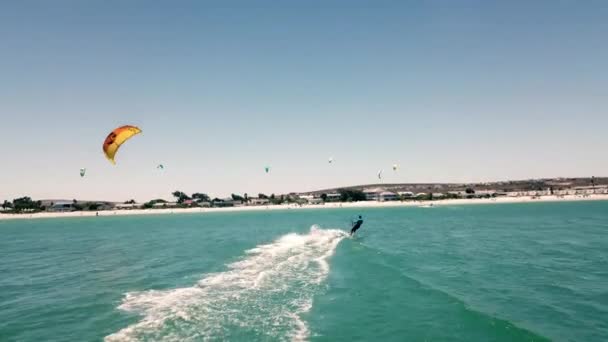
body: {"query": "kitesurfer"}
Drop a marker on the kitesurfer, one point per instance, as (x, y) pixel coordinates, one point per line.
(356, 225)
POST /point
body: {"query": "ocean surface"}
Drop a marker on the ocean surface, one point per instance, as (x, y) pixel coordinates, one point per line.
(506, 272)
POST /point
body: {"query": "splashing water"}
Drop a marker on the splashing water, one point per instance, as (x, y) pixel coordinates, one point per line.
(261, 296)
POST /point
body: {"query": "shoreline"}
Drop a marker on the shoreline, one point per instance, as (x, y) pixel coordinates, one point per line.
(331, 205)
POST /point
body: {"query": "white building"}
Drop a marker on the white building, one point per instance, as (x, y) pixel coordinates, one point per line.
(373, 194)
(165, 205)
(259, 201)
(589, 190)
(310, 199)
(482, 193)
(406, 194)
(387, 196)
(123, 206)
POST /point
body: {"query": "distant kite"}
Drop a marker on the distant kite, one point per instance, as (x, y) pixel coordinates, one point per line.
(331, 160)
(267, 169)
(160, 167)
(395, 167)
(116, 138)
(380, 174)
(83, 171)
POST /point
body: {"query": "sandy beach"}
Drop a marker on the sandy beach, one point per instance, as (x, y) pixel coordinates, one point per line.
(363, 204)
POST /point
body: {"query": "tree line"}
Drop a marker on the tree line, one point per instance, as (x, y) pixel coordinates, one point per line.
(198, 199)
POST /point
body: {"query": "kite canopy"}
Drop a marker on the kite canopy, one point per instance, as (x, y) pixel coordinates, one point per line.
(116, 138)
(380, 174)
(331, 160)
(160, 167)
(267, 169)
(395, 166)
(83, 171)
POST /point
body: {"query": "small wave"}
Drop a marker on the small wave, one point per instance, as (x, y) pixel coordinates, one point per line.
(259, 297)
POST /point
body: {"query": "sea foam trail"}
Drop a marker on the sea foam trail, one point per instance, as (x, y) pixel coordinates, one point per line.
(262, 296)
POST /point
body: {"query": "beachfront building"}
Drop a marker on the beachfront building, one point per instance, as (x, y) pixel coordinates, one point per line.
(589, 190)
(62, 207)
(406, 194)
(562, 192)
(165, 205)
(460, 194)
(438, 195)
(307, 198)
(373, 194)
(310, 199)
(315, 200)
(129, 206)
(226, 202)
(259, 201)
(536, 193)
(387, 196)
(190, 203)
(600, 189)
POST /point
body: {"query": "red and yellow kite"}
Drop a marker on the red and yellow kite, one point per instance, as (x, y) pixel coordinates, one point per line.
(117, 138)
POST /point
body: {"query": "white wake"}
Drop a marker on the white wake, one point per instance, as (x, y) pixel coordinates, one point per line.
(261, 296)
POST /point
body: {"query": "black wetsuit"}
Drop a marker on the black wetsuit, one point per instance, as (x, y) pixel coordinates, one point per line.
(356, 226)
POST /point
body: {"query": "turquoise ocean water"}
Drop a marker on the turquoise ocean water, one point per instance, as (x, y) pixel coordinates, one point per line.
(508, 272)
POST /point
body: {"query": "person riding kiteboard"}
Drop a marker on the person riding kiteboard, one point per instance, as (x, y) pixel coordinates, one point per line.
(356, 225)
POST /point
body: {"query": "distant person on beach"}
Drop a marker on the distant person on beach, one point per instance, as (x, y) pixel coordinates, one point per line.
(356, 225)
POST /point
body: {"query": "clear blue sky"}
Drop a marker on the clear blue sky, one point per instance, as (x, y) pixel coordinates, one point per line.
(450, 90)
